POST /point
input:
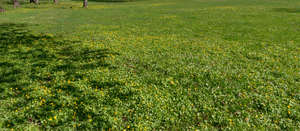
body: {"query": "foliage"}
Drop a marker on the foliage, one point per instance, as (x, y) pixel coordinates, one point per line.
(1, 4)
(160, 64)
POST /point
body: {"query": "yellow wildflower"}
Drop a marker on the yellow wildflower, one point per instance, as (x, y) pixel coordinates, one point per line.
(172, 82)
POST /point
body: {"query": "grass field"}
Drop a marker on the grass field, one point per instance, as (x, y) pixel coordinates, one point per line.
(151, 64)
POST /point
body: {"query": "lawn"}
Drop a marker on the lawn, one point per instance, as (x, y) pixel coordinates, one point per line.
(151, 64)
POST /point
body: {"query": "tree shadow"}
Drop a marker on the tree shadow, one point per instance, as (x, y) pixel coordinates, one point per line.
(287, 10)
(44, 69)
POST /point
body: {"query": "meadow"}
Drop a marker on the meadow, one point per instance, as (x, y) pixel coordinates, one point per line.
(150, 65)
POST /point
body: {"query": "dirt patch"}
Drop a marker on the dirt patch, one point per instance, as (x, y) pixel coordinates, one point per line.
(2, 10)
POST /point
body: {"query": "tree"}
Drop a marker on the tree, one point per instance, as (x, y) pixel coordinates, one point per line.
(55, 1)
(34, 1)
(16, 3)
(85, 3)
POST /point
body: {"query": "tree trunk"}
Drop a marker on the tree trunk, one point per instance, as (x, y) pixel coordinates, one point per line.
(55, 1)
(85, 3)
(16, 3)
(36, 2)
(31, 1)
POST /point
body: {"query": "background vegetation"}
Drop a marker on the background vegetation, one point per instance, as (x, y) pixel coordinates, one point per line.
(155, 64)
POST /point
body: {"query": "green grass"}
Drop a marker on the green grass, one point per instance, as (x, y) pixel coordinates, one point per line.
(151, 64)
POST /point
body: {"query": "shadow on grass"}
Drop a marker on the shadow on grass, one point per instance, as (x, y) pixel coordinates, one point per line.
(42, 74)
(287, 10)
